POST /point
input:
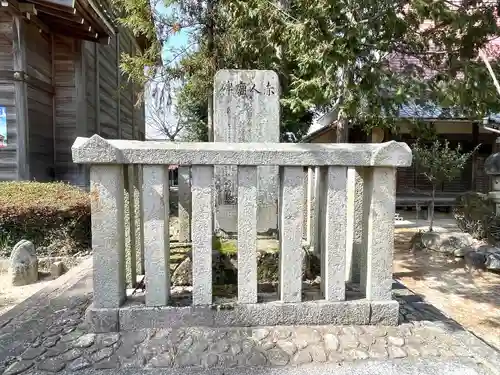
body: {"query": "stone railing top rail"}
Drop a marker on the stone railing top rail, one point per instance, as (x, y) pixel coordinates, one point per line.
(97, 150)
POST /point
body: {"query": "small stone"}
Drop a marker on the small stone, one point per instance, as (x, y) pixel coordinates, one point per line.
(85, 341)
(227, 360)
(287, 346)
(267, 344)
(51, 365)
(59, 348)
(162, 360)
(50, 342)
(18, 367)
(378, 352)
(135, 337)
(101, 354)
(310, 336)
(396, 341)
(353, 330)
(186, 359)
(282, 334)
(107, 339)
(256, 359)
(23, 268)
(111, 363)
(318, 353)
(235, 349)
(247, 346)
(71, 355)
(79, 364)
(277, 357)
(366, 340)
(412, 350)
(360, 354)
(260, 334)
(302, 357)
(396, 352)
(335, 357)
(210, 360)
(348, 341)
(32, 353)
(56, 269)
(36, 343)
(185, 344)
(74, 335)
(331, 342)
(199, 346)
(220, 346)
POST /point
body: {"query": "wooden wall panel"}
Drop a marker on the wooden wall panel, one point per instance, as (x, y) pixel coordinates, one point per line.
(65, 66)
(108, 90)
(8, 155)
(40, 103)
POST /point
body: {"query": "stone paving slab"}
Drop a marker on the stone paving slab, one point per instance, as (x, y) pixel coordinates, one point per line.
(47, 335)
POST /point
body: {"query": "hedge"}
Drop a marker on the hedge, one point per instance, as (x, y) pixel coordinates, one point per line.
(55, 216)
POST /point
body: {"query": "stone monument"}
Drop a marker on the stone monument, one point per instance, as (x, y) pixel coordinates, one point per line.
(246, 109)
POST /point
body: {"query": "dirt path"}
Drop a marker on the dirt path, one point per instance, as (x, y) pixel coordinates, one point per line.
(10, 295)
(473, 301)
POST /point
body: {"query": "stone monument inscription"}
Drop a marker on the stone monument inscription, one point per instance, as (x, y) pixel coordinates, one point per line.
(246, 109)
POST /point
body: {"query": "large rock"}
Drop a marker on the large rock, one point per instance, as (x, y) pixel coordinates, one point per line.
(492, 256)
(446, 242)
(23, 268)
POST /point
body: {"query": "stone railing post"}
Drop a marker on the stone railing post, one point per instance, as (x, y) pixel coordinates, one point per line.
(379, 204)
(108, 234)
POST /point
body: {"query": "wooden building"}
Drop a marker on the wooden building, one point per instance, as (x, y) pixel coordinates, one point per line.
(412, 187)
(60, 79)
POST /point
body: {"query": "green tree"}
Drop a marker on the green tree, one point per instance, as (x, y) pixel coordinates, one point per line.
(439, 163)
(364, 59)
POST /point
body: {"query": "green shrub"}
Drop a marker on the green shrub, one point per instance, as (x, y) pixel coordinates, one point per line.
(473, 213)
(54, 216)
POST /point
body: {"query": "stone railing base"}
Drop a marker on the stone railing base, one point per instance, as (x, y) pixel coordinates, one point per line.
(132, 316)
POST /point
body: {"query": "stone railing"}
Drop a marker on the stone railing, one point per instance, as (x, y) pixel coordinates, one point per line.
(112, 309)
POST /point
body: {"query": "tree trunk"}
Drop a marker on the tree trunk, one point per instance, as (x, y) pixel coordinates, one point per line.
(211, 49)
(431, 208)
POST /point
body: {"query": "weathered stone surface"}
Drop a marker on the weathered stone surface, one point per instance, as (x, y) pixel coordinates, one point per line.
(396, 341)
(85, 341)
(302, 357)
(79, 364)
(18, 367)
(23, 268)
(260, 333)
(318, 353)
(107, 339)
(245, 115)
(256, 359)
(101, 354)
(378, 352)
(493, 260)
(56, 269)
(210, 360)
(51, 365)
(277, 357)
(32, 353)
(162, 360)
(287, 346)
(331, 342)
(396, 352)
